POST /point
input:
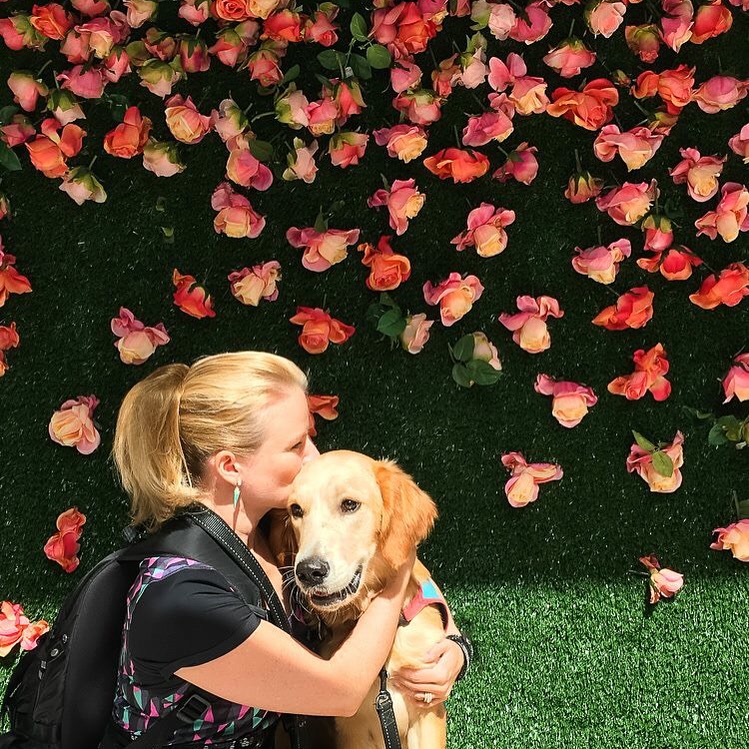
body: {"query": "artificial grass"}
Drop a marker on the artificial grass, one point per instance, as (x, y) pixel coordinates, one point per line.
(570, 655)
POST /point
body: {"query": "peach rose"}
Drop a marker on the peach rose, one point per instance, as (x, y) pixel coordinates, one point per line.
(250, 285)
(63, 547)
(739, 144)
(529, 324)
(663, 583)
(11, 281)
(421, 107)
(674, 265)
(404, 142)
(236, 217)
(570, 401)
(416, 333)
(51, 20)
(590, 108)
(583, 186)
(736, 381)
(735, 538)
(324, 406)
(661, 474)
(301, 162)
(244, 169)
(26, 89)
(455, 296)
(130, 136)
(462, 166)
(387, 269)
(601, 264)
(49, 150)
(346, 149)
(230, 10)
(569, 57)
(604, 16)
(184, 121)
(719, 93)
(73, 425)
(13, 623)
(644, 40)
(522, 487)
(162, 158)
(635, 147)
(136, 341)
(730, 216)
(650, 368)
(140, 11)
(711, 19)
(700, 173)
(319, 329)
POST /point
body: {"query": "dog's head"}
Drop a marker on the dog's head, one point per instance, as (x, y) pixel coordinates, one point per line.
(353, 521)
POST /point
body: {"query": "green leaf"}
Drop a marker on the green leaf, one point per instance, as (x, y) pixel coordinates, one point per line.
(463, 349)
(699, 414)
(374, 313)
(291, 74)
(6, 113)
(361, 67)
(8, 158)
(326, 82)
(482, 373)
(358, 27)
(379, 57)
(261, 149)
(461, 376)
(645, 444)
(321, 223)
(717, 436)
(663, 464)
(387, 301)
(329, 59)
(743, 509)
(391, 323)
(168, 232)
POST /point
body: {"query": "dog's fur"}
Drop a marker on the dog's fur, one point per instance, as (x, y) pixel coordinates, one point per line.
(392, 518)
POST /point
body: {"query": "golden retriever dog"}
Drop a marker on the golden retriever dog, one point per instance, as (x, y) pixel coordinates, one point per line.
(352, 521)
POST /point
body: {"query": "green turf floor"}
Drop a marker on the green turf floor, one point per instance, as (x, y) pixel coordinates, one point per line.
(570, 655)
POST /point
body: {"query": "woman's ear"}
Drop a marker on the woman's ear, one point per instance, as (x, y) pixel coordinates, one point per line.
(281, 538)
(408, 513)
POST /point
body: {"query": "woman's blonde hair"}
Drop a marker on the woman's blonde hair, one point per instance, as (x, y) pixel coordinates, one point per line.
(172, 420)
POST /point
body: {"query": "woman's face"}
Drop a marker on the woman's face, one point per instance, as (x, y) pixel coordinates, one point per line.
(268, 473)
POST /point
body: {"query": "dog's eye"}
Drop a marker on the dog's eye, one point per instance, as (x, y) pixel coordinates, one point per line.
(296, 511)
(350, 505)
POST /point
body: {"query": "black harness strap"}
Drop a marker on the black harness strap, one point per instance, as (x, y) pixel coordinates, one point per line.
(386, 714)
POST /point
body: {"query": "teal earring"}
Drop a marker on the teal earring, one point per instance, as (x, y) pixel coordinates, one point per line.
(236, 494)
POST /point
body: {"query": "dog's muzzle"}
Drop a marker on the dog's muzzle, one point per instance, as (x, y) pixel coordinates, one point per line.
(316, 591)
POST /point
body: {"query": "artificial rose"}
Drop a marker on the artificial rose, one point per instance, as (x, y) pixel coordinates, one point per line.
(8, 339)
(487, 127)
(644, 41)
(629, 203)
(63, 547)
(739, 144)
(729, 288)
(570, 400)
(604, 16)
(136, 341)
(301, 162)
(700, 173)
(244, 169)
(711, 19)
(641, 460)
(130, 136)
(569, 57)
(486, 230)
(191, 298)
(250, 285)
(582, 186)
(26, 89)
(387, 270)
(590, 108)
(601, 263)
(416, 333)
(736, 381)
(735, 538)
(522, 487)
(663, 583)
(322, 249)
(462, 166)
(81, 185)
(650, 368)
(633, 309)
(184, 121)
(528, 326)
(319, 329)
(404, 142)
(403, 201)
(322, 405)
(635, 147)
(455, 296)
(72, 424)
(236, 217)
(521, 165)
(658, 232)
(162, 158)
(421, 107)
(674, 265)
(719, 93)
(11, 281)
(730, 216)
(49, 150)
(345, 149)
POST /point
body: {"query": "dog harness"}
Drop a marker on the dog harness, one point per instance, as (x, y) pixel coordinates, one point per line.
(428, 595)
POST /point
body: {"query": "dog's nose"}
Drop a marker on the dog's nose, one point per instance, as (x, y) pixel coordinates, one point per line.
(312, 571)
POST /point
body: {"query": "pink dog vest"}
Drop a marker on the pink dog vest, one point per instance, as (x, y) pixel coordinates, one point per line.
(428, 595)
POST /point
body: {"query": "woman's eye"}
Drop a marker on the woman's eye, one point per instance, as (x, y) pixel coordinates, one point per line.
(350, 505)
(296, 511)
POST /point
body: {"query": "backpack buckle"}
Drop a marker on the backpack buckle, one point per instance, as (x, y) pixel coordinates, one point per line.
(192, 708)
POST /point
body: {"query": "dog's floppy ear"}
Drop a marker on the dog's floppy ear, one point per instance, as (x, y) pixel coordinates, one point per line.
(281, 538)
(408, 513)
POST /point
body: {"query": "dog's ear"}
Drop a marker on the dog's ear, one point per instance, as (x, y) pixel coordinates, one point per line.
(408, 512)
(281, 538)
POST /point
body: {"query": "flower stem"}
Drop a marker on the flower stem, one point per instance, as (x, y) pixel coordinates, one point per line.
(91, 163)
(579, 169)
(44, 67)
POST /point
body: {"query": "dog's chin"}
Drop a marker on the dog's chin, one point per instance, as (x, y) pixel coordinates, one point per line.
(323, 600)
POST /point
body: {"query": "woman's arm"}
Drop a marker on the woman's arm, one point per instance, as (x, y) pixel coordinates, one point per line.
(272, 671)
(447, 660)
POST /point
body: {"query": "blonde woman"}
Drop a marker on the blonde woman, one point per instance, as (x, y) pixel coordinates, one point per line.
(231, 432)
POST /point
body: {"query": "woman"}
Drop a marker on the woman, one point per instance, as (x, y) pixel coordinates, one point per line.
(231, 432)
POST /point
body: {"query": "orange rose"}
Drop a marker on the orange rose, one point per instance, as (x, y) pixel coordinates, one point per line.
(462, 166)
(230, 10)
(130, 136)
(590, 108)
(387, 270)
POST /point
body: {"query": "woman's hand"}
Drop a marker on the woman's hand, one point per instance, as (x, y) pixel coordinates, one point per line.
(445, 661)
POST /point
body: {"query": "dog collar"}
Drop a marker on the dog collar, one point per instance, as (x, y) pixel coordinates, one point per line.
(428, 595)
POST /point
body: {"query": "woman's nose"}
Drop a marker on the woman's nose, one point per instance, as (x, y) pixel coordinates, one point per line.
(310, 451)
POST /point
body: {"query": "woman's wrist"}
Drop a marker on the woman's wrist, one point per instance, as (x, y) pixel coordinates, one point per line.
(466, 647)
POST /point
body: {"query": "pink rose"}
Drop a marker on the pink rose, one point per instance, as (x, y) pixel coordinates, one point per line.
(236, 216)
(184, 121)
(529, 324)
(416, 333)
(739, 144)
(404, 74)
(302, 162)
(244, 169)
(404, 142)
(250, 285)
(604, 16)
(522, 487)
(63, 547)
(700, 173)
(736, 381)
(650, 368)
(486, 230)
(730, 215)
(663, 583)
(73, 425)
(136, 341)
(521, 165)
(403, 201)
(484, 128)
(570, 401)
(601, 263)
(629, 203)
(322, 249)
(162, 159)
(346, 149)
(719, 93)
(635, 147)
(569, 57)
(661, 474)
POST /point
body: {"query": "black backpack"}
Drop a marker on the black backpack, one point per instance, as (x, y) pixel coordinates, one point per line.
(60, 694)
